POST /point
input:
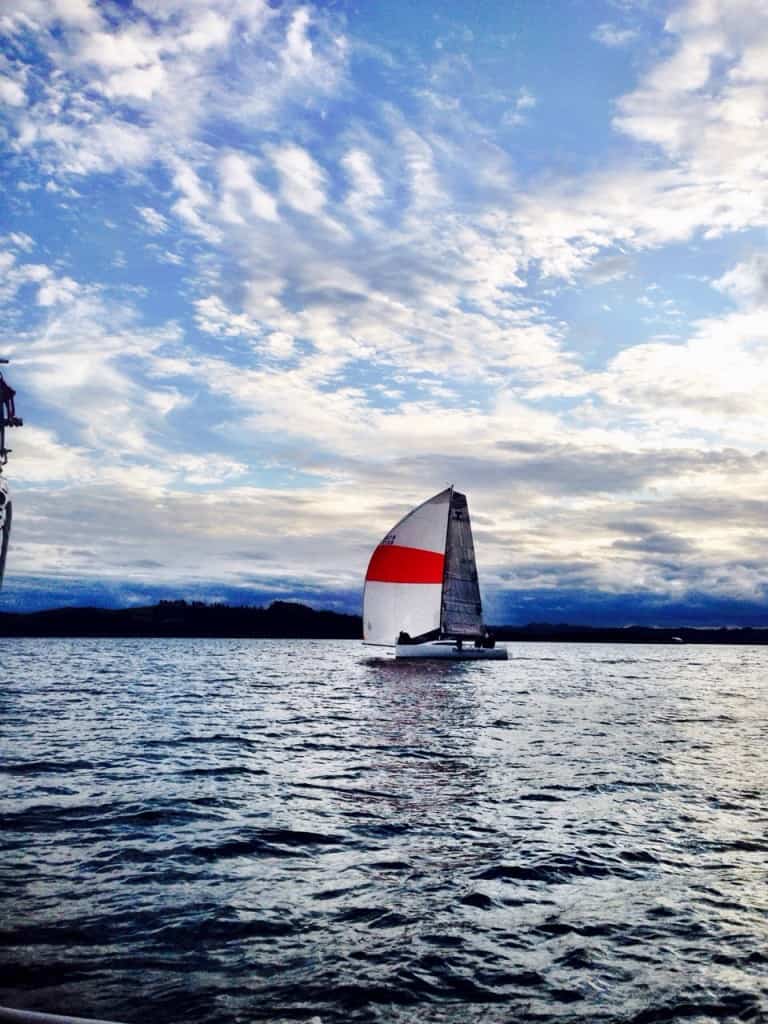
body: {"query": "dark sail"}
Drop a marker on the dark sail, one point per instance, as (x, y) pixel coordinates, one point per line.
(462, 611)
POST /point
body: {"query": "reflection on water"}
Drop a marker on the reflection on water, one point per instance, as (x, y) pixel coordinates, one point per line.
(222, 830)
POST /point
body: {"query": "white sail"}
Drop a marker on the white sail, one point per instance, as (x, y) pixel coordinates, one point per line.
(404, 581)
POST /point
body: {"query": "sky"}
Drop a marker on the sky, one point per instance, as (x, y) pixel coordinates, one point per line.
(273, 273)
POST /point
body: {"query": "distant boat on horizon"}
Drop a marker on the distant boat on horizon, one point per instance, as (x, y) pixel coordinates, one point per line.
(422, 595)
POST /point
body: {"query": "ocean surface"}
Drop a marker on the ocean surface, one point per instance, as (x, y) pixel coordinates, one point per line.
(217, 831)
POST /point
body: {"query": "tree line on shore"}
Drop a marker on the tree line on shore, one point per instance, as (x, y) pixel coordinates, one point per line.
(292, 620)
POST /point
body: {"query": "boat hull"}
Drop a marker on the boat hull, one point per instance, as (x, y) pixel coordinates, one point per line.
(448, 649)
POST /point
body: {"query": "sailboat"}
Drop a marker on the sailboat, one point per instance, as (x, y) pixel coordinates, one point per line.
(422, 595)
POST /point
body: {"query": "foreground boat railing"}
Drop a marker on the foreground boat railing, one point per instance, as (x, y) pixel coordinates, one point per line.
(9, 1016)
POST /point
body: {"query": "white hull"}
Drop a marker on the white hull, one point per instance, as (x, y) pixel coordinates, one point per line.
(449, 649)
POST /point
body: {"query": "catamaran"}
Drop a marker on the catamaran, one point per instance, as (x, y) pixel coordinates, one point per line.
(422, 595)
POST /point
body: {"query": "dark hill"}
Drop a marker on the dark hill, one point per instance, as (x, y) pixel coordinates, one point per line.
(564, 633)
(182, 618)
(290, 620)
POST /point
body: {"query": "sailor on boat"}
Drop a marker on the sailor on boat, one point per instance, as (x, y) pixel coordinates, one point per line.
(422, 595)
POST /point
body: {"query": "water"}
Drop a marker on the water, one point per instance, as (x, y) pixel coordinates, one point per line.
(219, 831)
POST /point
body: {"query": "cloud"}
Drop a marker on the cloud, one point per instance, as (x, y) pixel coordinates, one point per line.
(20, 240)
(172, 258)
(15, 276)
(609, 268)
(40, 457)
(747, 282)
(130, 48)
(356, 293)
(11, 92)
(194, 202)
(242, 196)
(128, 93)
(156, 223)
(419, 164)
(516, 116)
(39, 14)
(711, 385)
(100, 147)
(366, 187)
(298, 56)
(656, 543)
(280, 344)
(302, 181)
(78, 365)
(529, 496)
(213, 317)
(54, 291)
(612, 35)
(703, 104)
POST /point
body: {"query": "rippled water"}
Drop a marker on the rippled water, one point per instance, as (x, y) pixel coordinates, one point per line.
(229, 831)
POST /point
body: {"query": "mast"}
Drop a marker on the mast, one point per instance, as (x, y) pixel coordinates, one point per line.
(445, 559)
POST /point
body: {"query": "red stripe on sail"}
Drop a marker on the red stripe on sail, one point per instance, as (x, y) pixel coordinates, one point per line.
(392, 563)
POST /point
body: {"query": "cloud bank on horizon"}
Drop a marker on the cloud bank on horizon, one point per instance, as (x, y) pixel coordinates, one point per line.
(271, 274)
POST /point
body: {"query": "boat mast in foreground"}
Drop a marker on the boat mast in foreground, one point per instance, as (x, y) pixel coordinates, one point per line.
(8, 418)
(422, 596)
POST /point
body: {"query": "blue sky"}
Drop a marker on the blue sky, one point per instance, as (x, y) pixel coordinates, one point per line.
(272, 273)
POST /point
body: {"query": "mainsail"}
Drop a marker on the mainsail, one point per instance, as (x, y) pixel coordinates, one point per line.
(422, 577)
(462, 609)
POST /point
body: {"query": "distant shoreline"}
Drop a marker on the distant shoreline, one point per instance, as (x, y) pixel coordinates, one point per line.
(284, 620)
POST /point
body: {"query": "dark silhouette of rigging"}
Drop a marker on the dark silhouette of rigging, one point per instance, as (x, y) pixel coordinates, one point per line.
(8, 418)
